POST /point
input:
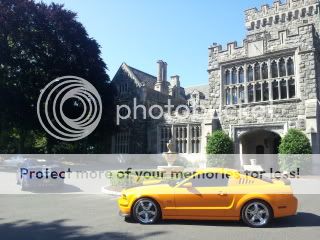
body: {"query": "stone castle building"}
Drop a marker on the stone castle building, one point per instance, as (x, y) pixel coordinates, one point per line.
(256, 91)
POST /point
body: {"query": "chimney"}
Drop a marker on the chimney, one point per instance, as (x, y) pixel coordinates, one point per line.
(164, 72)
(160, 71)
(175, 80)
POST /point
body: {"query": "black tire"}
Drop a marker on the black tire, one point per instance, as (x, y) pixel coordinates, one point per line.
(154, 212)
(256, 217)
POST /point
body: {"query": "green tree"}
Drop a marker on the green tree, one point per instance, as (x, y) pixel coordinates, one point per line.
(39, 43)
(295, 150)
(219, 146)
(295, 142)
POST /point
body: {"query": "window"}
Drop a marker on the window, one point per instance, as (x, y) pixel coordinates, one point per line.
(258, 92)
(258, 24)
(210, 180)
(241, 75)
(123, 88)
(234, 96)
(276, 19)
(282, 67)
(121, 144)
(275, 90)
(290, 67)
(250, 93)
(227, 77)
(234, 76)
(195, 138)
(262, 83)
(228, 96)
(241, 94)
(264, 22)
(250, 74)
(270, 20)
(181, 139)
(310, 11)
(296, 14)
(289, 16)
(165, 136)
(274, 69)
(265, 71)
(184, 142)
(257, 71)
(265, 90)
(292, 88)
(303, 12)
(283, 89)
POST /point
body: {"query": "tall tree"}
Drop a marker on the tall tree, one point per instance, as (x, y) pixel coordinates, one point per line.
(39, 43)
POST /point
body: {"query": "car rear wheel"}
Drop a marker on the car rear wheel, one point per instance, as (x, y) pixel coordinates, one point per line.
(146, 211)
(256, 214)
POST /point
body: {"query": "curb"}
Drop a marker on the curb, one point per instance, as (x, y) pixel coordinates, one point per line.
(109, 192)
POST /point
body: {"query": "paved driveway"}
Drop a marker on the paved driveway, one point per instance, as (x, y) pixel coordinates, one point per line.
(79, 216)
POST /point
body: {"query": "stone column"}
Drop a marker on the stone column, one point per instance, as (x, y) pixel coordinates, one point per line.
(270, 90)
(245, 69)
(287, 85)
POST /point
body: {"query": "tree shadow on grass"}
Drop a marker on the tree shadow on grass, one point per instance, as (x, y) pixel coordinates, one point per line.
(58, 230)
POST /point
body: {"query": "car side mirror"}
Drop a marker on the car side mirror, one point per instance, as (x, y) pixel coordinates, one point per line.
(187, 185)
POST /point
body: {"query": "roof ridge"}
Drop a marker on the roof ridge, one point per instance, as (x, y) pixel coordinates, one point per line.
(141, 71)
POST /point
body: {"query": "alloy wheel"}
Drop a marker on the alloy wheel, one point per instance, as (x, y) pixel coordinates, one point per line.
(146, 211)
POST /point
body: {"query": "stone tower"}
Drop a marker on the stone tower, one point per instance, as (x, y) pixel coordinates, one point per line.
(271, 82)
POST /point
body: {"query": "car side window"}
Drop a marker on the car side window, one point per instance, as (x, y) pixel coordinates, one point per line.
(210, 180)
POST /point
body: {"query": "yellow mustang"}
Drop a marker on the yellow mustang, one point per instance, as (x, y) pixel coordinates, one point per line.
(211, 194)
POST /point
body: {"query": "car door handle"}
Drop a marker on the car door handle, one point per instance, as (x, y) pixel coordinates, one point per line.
(221, 193)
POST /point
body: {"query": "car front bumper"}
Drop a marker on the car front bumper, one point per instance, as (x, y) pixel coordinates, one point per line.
(124, 207)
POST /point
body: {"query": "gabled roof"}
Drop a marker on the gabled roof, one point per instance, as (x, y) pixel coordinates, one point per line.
(140, 77)
(147, 79)
(204, 89)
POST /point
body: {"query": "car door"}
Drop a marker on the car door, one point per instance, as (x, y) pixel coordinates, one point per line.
(208, 196)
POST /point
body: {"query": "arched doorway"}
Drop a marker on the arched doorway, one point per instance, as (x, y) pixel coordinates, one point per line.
(260, 142)
(261, 145)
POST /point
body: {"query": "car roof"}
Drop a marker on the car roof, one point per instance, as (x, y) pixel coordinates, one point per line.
(218, 170)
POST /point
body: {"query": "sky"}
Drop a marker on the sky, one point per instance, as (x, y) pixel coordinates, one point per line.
(140, 32)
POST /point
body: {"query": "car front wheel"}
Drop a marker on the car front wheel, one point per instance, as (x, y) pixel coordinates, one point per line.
(146, 211)
(256, 214)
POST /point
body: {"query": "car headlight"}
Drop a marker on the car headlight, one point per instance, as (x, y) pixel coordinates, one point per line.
(124, 196)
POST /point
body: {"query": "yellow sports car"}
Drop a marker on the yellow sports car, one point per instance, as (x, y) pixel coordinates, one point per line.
(211, 194)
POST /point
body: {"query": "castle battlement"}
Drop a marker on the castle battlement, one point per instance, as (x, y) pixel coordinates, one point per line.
(280, 13)
(301, 38)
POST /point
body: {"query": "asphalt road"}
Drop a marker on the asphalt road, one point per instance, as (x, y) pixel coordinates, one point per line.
(80, 216)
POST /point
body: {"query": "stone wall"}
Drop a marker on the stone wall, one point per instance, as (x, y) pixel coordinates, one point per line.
(298, 38)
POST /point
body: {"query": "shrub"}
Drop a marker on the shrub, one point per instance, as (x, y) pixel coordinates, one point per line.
(295, 142)
(218, 147)
(295, 150)
(219, 143)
